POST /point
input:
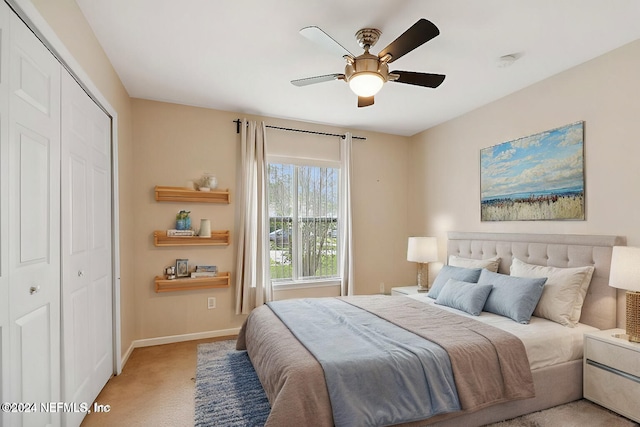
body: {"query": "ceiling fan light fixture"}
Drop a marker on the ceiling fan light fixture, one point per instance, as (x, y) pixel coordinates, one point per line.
(366, 83)
(367, 73)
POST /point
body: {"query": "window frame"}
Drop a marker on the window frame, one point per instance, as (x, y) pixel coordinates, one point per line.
(296, 281)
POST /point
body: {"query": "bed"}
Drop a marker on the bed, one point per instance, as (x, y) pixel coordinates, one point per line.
(294, 380)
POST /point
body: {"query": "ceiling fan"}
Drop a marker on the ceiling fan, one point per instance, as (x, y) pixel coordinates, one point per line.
(367, 73)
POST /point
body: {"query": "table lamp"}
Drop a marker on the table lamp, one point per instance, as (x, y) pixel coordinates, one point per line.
(422, 250)
(625, 274)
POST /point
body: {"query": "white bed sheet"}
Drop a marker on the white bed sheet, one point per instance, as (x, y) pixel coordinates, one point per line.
(547, 343)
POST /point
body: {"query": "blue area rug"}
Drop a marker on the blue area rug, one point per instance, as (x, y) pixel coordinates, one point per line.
(228, 392)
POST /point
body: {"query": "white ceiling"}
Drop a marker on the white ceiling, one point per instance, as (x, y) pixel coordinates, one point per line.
(240, 56)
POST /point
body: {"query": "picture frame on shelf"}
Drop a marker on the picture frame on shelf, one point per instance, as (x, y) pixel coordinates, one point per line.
(182, 268)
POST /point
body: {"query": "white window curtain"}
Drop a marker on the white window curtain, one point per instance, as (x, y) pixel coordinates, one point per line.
(346, 255)
(253, 287)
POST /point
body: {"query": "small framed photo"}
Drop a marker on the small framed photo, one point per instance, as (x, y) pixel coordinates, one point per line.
(182, 268)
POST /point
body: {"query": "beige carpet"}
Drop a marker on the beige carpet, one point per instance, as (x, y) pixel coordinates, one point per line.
(581, 413)
(155, 389)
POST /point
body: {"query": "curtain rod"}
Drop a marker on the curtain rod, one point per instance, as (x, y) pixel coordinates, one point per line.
(238, 122)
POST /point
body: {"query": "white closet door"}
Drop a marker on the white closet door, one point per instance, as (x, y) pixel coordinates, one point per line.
(34, 225)
(86, 248)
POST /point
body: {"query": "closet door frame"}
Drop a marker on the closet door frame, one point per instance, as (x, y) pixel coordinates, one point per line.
(5, 372)
(30, 15)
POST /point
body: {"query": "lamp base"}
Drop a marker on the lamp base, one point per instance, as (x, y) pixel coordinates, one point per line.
(633, 316)
(423, 277)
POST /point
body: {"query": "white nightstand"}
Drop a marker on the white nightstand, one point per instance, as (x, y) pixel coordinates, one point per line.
(404, 290)
(612, 372)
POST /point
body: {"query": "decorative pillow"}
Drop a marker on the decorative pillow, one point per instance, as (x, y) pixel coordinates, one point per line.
(564, 292)
(448, 272)
(465, 296)
(490, 264)
(513, 297)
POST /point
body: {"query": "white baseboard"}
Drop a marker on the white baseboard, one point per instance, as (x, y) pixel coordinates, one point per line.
(125, 357)
(186, 337)
(176, 338)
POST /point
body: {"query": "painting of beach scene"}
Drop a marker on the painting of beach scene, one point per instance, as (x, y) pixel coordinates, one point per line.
(538, 177)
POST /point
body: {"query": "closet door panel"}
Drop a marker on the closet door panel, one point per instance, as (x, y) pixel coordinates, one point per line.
(34, 189)
(101, 304)
(86, 248)
(36, 371)
(34, 154)
(34, 218)
(79, 305)
(32, 81)
(78, 208)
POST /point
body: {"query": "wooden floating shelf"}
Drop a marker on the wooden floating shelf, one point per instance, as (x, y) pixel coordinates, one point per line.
(222, 280)
(181, 194)
(218, 238)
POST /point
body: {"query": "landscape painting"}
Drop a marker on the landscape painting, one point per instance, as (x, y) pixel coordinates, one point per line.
(538, 177)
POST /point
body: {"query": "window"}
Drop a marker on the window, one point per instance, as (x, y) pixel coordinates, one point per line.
(303, 222)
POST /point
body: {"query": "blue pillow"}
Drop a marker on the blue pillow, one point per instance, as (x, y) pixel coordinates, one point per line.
(448, 272)
(465, 296)
(513, 297)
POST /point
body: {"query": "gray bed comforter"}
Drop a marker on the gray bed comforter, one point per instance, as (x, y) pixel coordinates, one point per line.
(376, 372)
(489, 365)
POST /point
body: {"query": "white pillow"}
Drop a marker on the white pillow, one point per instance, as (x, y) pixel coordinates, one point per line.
(563, 293)
(490, 264)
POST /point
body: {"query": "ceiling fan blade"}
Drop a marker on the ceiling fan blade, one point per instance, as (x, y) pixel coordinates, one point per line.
(316, 35)
(365, 101)
(317, 79)
(418, 34)
(419, 79)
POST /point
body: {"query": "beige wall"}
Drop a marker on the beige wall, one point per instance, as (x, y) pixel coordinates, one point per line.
(424, 185)
(177, 143)
(67, 21)
(604, 93)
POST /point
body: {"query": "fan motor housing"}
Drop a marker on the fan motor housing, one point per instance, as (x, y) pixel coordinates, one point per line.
(366, 63)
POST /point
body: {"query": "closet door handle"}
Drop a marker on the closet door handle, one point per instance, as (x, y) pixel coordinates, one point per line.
(33, 290)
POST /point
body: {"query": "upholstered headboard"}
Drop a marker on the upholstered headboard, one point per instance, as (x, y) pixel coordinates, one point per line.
(555, 250)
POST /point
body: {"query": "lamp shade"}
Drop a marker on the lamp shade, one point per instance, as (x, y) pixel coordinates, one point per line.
(422, 249)
(625, 268)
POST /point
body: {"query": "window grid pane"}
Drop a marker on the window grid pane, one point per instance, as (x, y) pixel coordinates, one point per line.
(281, 196)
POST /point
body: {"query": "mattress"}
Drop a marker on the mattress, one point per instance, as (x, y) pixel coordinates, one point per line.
(547, 343)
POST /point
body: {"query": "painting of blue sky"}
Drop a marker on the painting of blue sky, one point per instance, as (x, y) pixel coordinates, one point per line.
(537, 177)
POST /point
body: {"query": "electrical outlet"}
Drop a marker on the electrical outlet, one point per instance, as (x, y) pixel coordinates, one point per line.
(382, 287)
(211, 303)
